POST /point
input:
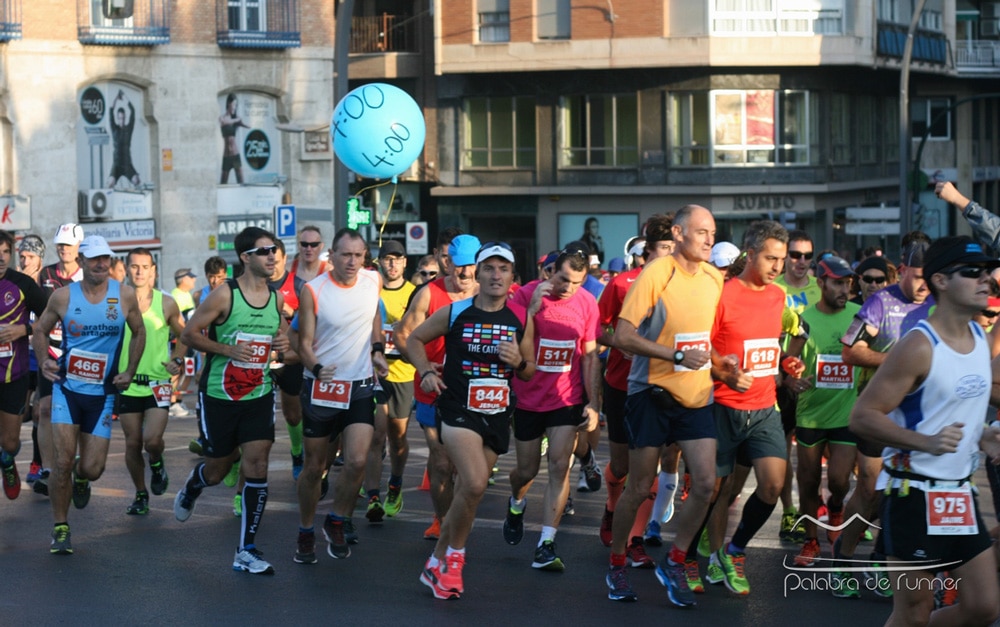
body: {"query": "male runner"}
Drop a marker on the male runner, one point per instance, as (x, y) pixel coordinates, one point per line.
(238, 326)
(307, 264)
(93, 313)
(289, 375)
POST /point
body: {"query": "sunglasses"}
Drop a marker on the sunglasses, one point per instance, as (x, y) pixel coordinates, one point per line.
(797, 254)
(873, 279)
(261, 251)
(968, 272)
(428, 273)
(310, 244)
(989, 313)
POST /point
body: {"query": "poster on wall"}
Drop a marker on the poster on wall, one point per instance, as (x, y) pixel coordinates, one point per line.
(251, 142)
(112, 138)
(605, 233)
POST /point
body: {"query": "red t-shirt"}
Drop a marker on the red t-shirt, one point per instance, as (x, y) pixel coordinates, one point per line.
(748, 325)
(435, 348)
(609, 306)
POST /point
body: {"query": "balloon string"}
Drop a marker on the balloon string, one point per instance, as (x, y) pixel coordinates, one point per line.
(392, 199)
(362, 191)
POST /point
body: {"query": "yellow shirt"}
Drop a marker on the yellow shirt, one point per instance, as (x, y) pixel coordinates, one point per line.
(676, 309)
(394, 302)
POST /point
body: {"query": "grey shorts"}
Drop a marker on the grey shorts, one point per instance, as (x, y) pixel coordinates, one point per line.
(399, 398)
(759, 433)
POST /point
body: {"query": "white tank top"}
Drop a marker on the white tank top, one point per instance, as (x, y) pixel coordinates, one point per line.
(957, 389)
(344, 317)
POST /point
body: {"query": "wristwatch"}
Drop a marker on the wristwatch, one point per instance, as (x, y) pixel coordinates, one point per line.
(678, 357)
(178, 360)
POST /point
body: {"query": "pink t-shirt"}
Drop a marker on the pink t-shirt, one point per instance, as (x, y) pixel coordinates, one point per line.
(562, 328)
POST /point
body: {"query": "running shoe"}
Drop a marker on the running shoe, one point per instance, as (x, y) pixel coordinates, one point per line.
(733, 565)
(434, 531)
(810, 551)
(607, 521)
(513, 527)
(324, 485)
(233, 476)
(619, 588)
(238, 505)
(693, 576)
(41, 485)
(81, 491)
(714, 573)
(430, 576)
(704, 544)
(337, 545)
(350, 533)
(867, 536)
(184, 503)
(375, 512)
(250, 560)
(297, 462)
(581, 485)
(61, 544)
(393, 500)
(159, 481)
(686, 489)
(592, 473)
(637, 556)
(545, 445)
(451, 576)
(34, 472)
(787, 523)
(140, 506)
(674, 579)
(836, 519)
(178, 410)
(844, 585)
(196, 447)
(823, 513)
(305, 553)
(652, 535)
(945, 592)
(338, 460)
(11, 481)
(877, 579)
(546, 558)
(568, 509)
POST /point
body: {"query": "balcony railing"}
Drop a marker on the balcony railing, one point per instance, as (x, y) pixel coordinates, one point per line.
(383, 33)
(977, 56)
(10, 19)
(271, 24)
(125, 23)
(929, 46)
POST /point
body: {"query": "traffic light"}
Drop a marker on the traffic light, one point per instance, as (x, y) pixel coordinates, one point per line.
(356, 216)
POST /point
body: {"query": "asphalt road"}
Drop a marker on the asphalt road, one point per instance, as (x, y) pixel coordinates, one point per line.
(154, 570)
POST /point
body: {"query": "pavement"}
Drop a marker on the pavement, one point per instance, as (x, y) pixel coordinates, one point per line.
(155, 570)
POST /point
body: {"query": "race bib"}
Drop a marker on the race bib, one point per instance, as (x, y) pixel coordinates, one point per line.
(555, 355)
(488, 396)
(390, 341)
(261, 345)
(761, 357)
(950, 512)
(86, 367)
(161, 392)
(833, 374)
(335, 394)
(6, 349)
(692, 341)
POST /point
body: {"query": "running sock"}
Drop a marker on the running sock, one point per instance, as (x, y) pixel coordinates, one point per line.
(6, 459)
(307, 530)
(666, 491)
(395, 481)
(432, 561)
(618, 560)
(548, 535)
(451, 550)
(254, 500)
(517, 507)
(295, 438)
(616, 485)
(196, 482)
(755, 514)
(36, 452)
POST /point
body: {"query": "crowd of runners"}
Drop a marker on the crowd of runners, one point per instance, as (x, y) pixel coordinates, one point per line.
(701, 361)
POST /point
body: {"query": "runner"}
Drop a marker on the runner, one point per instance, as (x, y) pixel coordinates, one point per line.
(20, 297)
(287, 372)
(488, 341)
(670, 391)
(142, 408)
(552, 404)
(340, 342)
(925, 405)
(30, 253)
(94, 313)
(238, 326)
(308, 264)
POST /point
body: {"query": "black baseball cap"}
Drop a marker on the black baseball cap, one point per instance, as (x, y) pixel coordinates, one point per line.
(392, 247)
(954, 250)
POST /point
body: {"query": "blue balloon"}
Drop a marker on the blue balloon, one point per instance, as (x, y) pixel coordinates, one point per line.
(378, 130)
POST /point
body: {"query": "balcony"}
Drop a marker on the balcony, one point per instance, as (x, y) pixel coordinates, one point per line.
(260, 24)
(122, 22)
(928, 46)
(10, 20)
(383, 33)
(977, 56)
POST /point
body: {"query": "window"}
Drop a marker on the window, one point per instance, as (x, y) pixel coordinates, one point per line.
(930, 116)
(888, 11)
(499, 133)
(494, 20)
(600, 130)
(840, 129)
(931, 20)
(553, 19)
(270, 24)
(247, 15)
(122, 22)
(890, 129)
(104, 13)
(732, 127)
(771, 17)
(867, 124)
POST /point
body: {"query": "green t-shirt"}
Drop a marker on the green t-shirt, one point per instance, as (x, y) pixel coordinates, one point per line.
(157, 348)
(798, 298)
(828, 403)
